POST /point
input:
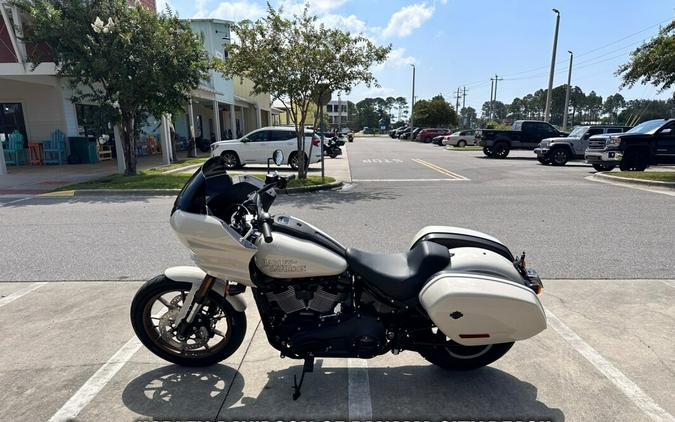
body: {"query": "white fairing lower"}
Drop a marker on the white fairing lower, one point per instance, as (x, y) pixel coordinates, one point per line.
(215, 247)
(195, 276)
(449, 229)
(476, 309)
(289, 257)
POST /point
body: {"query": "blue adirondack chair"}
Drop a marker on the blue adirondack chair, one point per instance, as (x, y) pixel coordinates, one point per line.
(54, 150)
(14, 151)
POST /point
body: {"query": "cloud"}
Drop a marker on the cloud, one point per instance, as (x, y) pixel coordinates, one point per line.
(230, 10)
(349, 23)
(409, 18)
(397, 58)
(323, 6)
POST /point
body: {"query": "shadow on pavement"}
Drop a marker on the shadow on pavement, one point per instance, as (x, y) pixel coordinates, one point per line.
(51, 200)
(333, 199)
(397, 393)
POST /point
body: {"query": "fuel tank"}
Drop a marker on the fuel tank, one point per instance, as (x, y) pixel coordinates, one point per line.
(290, 257)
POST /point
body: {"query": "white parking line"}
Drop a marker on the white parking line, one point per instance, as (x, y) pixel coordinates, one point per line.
(19, 293)
(408, 180)
(360, 407)
(621, 381)
(670, 283)
(96, 382)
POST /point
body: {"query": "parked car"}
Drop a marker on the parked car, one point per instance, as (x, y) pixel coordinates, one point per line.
(525, 134)
(461, 138)
(406, 133)
(558, 151)
(394, 133)
(650, 142)
(257, 146)
(438, 140)
(427, 134)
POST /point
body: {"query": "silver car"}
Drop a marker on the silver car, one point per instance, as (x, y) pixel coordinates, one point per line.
(461, 138)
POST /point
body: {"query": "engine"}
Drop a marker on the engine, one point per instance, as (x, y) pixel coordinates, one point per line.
(316, 317)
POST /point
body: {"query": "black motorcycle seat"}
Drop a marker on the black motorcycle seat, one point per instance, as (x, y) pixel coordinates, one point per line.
(402, 275)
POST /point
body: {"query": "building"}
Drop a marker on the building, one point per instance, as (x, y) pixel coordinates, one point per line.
(338, 113)
(37, 102)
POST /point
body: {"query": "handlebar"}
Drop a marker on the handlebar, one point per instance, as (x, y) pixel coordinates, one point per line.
(266, 231)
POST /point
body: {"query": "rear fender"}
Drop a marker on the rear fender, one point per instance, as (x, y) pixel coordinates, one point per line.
(457, 237)
(195, 276)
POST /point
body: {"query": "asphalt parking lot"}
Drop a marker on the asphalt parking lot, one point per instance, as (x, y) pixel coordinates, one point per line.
(71, 266)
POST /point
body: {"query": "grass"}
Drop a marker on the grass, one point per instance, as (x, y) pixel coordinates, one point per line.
(660, 176)
(467, 148)
(152, 179)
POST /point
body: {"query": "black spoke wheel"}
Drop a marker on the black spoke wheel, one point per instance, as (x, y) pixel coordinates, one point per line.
(559, 157)
(231, 160)
(456, 357)
(603, 167)
(634, 161)
(501, 150)
(216, 332)
(487, 151)
(544, 161)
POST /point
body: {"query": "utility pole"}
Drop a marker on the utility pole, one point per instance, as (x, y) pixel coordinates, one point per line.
(567, 94)
(547, 112)
(464, 98)
(339, 113)
(492, 90)
(457, 96)
(412, 103)
(497, 79)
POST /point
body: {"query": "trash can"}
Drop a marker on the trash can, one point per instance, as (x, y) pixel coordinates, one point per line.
(83, 149)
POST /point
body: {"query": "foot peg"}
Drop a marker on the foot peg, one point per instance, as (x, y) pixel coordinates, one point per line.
(308, 366)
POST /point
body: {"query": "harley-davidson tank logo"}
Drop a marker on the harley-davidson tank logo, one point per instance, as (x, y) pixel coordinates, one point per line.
(284, 266)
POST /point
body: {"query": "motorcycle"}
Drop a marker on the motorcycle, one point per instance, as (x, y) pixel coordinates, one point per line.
(332, 147)
(457, 297)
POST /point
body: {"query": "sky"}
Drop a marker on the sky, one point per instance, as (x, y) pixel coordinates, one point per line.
(456, 44)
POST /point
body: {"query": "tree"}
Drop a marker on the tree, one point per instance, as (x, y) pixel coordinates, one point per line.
(653, 61)
(469, 116)
(435, 112)
(402, 106)
(117, 56)
(612, 105)
(637, 111)
(366, 114)
(593, 106)
(297, 59)
(499, 110)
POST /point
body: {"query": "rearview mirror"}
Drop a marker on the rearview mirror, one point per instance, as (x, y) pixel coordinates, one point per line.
(244, 140)
(278, 157)
(666, 131)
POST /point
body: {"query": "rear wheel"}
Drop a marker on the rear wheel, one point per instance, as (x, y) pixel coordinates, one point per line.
(604, 167)
(456, 357)
(501, 150)
(295, 163)
(559, 157)
(231, 160)
(216, 332)
(487, 151)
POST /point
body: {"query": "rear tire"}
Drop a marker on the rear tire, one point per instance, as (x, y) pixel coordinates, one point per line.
(488, 152)
(142, 321)
(501, 150)
(455, 357)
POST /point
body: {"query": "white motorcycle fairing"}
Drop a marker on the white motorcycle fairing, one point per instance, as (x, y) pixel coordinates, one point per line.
(195, 276)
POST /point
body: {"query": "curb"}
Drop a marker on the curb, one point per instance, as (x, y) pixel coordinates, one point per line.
(640, 182)
(174, 192)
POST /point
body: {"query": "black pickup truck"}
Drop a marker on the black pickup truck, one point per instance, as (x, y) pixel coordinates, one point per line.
(650, 142)
(525, 134)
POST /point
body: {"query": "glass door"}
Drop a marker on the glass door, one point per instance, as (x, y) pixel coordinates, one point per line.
(11, 119)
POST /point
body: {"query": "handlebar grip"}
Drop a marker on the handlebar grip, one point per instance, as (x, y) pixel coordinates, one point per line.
(266, 231)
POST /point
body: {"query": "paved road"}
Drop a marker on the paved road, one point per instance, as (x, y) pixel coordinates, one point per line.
(68, 348)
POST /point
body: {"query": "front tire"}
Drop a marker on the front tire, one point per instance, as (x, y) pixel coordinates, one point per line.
(455, 357)
(560, 157)
(544, 161)
(634, 161)
(603, 167)
(218, 329)
(461, 143)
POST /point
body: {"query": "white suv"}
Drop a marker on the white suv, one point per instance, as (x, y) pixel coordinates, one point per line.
(256, 147)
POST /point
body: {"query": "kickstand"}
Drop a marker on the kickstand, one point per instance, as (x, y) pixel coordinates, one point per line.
(307, 367)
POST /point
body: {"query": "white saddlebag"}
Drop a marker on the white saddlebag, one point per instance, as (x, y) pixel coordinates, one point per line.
(476, 309)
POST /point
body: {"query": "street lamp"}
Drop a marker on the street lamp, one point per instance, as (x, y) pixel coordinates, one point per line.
(550, 77)
(567, 94)
(412, 104)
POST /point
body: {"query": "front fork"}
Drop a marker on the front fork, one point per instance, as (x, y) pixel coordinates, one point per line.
(193, 305)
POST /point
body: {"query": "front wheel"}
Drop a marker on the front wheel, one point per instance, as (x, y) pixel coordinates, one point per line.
(603, 167)
(216, 332)
(456, 357)
(461, 143)
(560, 157)
(544, 161)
